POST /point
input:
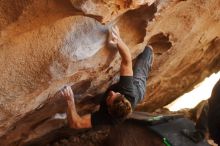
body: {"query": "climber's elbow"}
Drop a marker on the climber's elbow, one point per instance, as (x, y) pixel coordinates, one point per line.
(82, 123)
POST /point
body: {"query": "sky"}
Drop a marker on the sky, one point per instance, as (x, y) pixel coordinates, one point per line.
(200, 92)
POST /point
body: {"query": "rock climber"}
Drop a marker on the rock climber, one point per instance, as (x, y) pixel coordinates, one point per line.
(120, 99)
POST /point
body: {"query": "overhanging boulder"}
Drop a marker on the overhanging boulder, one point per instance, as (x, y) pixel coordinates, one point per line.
(49, 44)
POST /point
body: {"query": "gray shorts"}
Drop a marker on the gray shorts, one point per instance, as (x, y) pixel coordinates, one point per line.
(141, 70)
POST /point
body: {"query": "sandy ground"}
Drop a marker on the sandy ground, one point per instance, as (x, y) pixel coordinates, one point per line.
(89, 138)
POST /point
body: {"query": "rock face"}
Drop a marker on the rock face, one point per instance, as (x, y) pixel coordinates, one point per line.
(47, 44)
(107, 10)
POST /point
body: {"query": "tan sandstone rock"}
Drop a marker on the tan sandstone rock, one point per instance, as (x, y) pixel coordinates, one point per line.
(47, 44)
(108, 10)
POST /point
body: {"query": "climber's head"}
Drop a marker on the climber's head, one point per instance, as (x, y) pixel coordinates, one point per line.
(118, 105)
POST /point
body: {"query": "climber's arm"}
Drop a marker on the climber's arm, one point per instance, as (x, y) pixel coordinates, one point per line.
(126, 63)
(74, 120)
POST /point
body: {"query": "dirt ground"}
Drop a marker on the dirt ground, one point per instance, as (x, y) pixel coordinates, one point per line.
(93, 137)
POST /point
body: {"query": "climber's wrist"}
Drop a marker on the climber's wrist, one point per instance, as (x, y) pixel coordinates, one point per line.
(120, 43)
(69, 99)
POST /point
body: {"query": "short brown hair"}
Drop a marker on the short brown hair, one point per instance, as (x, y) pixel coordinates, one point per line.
(120, 107)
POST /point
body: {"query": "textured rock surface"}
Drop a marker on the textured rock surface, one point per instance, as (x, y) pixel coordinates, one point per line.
(186, 36)
(46, 44)
(108, 10)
